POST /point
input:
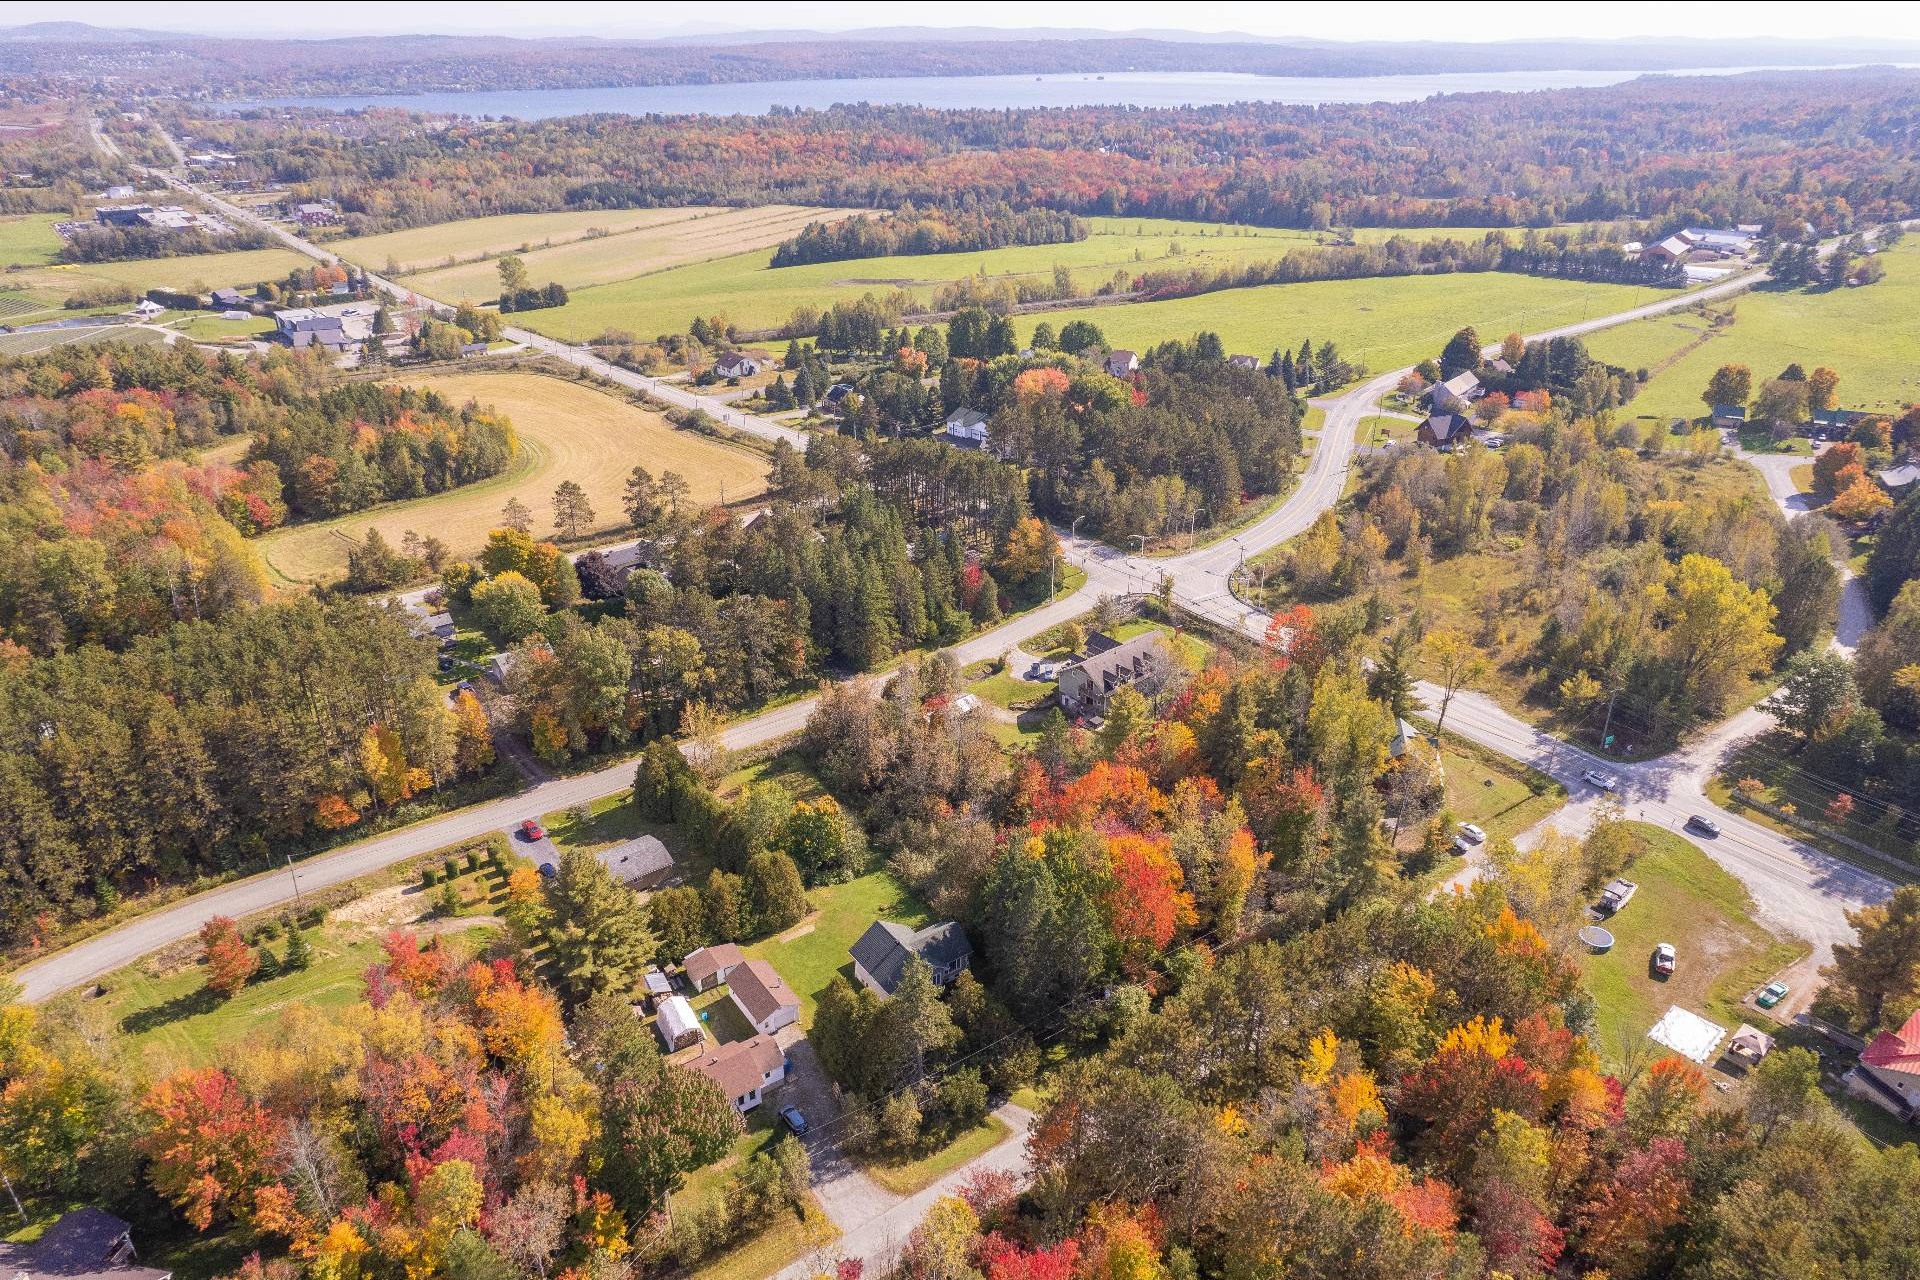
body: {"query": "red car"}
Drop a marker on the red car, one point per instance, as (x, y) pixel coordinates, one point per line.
(533, 830)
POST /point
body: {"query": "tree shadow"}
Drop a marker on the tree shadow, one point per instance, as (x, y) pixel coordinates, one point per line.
(186, 1005)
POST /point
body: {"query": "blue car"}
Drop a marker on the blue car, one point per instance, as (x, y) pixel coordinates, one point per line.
(794, 1120)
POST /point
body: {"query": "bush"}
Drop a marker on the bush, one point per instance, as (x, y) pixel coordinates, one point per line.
(473, 859)
(451, 868)
(426, 878)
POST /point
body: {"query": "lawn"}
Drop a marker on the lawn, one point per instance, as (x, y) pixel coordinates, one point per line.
(1381, 429)
(1723, 954)
(1500, 796)
(165, 1022)
(753, 295)
(29, 240)
(1382, 323)
(1193, 651)
(817, 948)
(568, 431)
(915, 1175)
(1868, 335)
(211, 326)
(189, 273)
(774, 1249)
(428, 248)
(701, 235)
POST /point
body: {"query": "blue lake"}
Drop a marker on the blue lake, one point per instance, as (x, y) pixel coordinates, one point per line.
(1141, 89)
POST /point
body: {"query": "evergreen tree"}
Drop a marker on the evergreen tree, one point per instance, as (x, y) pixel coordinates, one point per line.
(775, 895)
(599, 929)
(725, 901)
(299, 952)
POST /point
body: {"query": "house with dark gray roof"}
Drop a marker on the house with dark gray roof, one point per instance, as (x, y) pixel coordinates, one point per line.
(1143, 661)
(880, 956)
(85, 1244)
(1444, 428)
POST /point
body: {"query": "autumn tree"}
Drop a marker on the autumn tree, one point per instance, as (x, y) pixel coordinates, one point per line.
(1030, 547)
(658, 1126)
(1455, 662)
(516, 515)
(208, 1146)
(1731, 384)
(1718, 630)
(230, 961)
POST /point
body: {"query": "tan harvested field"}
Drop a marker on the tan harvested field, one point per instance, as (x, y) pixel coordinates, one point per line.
(606, 259)
(188, 273)
(427, 248)
(567, 431)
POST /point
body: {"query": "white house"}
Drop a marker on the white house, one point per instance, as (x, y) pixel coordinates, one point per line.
(967, 428)
(738, 364)
(1122, 362)
(744, 1070)
(762, 997)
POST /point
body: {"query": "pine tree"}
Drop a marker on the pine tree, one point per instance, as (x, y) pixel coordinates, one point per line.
(775, 894)
(299, 952)
(599, 932)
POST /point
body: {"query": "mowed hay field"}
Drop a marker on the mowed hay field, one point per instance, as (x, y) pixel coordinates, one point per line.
(425, 248)
(28, 240)
(696, 236)
(755, 296)
(1384, 323)
(567, 431)
(189, 273)
(1870, 336)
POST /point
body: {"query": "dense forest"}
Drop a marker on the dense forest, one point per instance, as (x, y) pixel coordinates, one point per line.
(1832, 149)
(928, 231)
(118, 244)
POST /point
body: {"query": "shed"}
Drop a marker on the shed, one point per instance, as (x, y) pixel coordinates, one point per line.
(1749, 1045)
(85, 1244)
(677, 1024)
(708, 967)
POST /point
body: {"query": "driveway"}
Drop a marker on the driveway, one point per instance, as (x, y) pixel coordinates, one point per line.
(849, 1197)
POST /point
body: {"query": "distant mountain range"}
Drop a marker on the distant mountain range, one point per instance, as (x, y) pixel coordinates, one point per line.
(80, 55)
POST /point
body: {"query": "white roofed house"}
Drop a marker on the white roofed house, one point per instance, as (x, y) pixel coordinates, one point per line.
(639, 863)
(738, 364)
(1456, 393)
(967, 428)
(1244, 362)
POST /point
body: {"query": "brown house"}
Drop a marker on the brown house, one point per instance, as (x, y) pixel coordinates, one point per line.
(744, 1070)
(708, 967)
(1444, 428)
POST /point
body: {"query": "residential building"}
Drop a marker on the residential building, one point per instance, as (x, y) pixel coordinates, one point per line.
(639, 863)
(85, 1244)
(1444, 429)
(967, 428)
(230, 300)
(762, 997)
(1456, 393)
(1729, 417)
(1244, 362)
(836, 398)
(1898, 480)
(881, 954)
(708, 967)
(1086, 685)
(677, 1024)
(738, 364)
(1122, 362)
(1888, 1074)
(744, 1069)
(438, 625)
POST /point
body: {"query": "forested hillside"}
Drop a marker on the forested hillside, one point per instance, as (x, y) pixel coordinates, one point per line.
(1832, 149)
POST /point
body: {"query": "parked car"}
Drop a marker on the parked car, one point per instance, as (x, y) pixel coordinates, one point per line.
(1663, 958)
(1472, 833)
(794, 1120)
(531, 830)
(1704, 825)
(1771, 994)
(1604, 781)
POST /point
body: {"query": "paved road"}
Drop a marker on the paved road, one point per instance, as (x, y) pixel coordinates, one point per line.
(1856, 611)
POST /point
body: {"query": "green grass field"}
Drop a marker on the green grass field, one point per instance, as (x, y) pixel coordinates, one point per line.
(1868, 335)
(744, 289)
(816, 949)
(1723, 953)
(1383, 323)
(568, 430)
(29, 239)
(1496, 794)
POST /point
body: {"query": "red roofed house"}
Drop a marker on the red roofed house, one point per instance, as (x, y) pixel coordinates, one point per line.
(743, 1069)
(1889, 1071)
(762, 997)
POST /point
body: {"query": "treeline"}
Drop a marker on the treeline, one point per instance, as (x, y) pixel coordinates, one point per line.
(912, 231)
(362, 443)
(1576, 155)
(207, 746)
(116, 244)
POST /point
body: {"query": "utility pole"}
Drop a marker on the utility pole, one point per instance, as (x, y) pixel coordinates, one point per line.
(1606, 733)
(298, 907)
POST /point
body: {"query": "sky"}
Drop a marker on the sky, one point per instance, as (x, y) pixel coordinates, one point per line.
(1379, 20)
